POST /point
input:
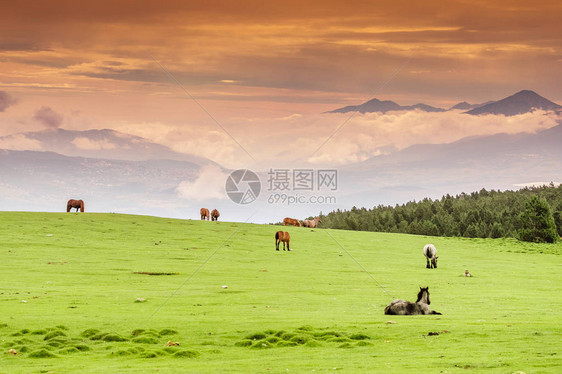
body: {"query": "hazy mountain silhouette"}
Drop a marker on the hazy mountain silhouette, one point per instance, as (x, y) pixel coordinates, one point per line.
(467, 106)
(519, 103)
(106, 144)
(44, 181)
(375, 105)
(500, 161)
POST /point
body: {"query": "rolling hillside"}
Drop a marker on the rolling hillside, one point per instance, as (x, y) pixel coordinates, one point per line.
(84, 291)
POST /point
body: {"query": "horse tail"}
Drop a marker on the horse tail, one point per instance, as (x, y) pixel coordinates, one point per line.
(82, 206)
(276, 236)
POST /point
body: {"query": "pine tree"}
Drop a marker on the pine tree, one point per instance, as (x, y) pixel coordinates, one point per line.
(537, 222)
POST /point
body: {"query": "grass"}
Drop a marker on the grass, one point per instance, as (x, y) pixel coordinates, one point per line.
(69, 285)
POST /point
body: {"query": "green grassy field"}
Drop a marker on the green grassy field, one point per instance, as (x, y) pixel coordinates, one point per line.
(69, 285)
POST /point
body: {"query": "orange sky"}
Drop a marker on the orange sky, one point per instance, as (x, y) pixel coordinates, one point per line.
(93, 62)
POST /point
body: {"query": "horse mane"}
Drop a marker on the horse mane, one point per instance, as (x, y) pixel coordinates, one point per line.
(420, 294)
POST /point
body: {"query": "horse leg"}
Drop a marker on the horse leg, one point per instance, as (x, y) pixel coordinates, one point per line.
(428, 264)
(276, 244)
(288, 249)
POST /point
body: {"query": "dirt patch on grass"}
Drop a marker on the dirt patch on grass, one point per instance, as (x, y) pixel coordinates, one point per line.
(154, 273)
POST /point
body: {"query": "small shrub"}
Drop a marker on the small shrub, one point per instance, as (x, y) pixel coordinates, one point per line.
(114, 338)
(149, 354)
(359, 337)
(54, 334)
(89, 332)
(137, 332)
(186, 354)
(300, 339)
(287, 336)
(256, 336)
(82, 347)
(68, 350)
(272, 339)
(285, 343)
(98, 336)
(363, 343)
(145, 340)
(168, 332)
(261, 345)
(345, 345)
(244, 343)
(43, 353)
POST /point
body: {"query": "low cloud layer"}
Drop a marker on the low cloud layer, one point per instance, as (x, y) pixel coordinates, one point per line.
(6, 100)
(208, 185)
(300, 139)
(48, 117)
(93, 145)
(19, 142)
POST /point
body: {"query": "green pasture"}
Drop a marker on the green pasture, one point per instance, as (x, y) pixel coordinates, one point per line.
(91, 293)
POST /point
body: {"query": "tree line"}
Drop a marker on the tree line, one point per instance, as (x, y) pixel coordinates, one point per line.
(520, 214)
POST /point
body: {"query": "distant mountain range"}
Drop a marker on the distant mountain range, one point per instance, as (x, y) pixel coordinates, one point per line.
(500, 161)
(105, 144)
(522, 102)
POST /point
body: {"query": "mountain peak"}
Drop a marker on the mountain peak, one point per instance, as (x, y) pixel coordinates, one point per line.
(521, 102)
(383, 106)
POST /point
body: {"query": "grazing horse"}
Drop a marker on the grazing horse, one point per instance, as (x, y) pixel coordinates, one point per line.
(430, 253)
(78, 204)
(215, 215)
(204, 214)
(282, 236)
(291, 221)
(312, 223)
(407, 308)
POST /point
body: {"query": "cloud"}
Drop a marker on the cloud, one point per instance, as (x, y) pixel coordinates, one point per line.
(48, 117)
(208, 185)
(6, 101)
(93, 145)
(19, 142)
(371, 134)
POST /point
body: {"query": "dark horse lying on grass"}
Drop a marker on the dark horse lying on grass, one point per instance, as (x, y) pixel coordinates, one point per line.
(402, 307)
(78, 204)
(282, 236)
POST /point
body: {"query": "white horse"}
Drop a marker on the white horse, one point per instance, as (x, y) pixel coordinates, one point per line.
(430, 253)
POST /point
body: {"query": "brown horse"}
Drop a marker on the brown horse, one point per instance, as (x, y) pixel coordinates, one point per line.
(215, 215)
(282, 236)
(291, 221)
(204, 214)
(312, 223)
(78, 204)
